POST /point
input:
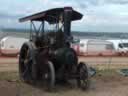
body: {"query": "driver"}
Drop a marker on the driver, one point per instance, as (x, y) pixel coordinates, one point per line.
(61, 23)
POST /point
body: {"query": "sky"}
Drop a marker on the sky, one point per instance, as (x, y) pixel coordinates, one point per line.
(99, 15)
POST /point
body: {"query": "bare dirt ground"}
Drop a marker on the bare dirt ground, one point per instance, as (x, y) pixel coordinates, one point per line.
(106, 83)
(103, 84)
(8, 64)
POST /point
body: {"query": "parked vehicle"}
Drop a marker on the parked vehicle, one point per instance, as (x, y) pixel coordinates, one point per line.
(121, 46)
(96, 47)
(10, 45)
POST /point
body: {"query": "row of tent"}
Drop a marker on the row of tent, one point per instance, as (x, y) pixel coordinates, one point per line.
(91, 47)
(11, 45)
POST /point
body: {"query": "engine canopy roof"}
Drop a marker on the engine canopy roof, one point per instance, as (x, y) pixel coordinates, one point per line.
(52, 15)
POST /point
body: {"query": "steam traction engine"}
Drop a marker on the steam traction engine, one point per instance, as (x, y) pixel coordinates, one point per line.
(48, 55)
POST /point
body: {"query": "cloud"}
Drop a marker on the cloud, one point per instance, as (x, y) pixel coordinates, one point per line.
(9, 16)
(111, 13)
(98, 14)
(117, 1)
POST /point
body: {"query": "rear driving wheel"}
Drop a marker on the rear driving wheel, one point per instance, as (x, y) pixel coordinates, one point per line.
(25, 64)
(83, 80)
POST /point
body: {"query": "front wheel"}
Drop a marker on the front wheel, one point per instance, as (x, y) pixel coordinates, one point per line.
(83, 79)
(49, 76)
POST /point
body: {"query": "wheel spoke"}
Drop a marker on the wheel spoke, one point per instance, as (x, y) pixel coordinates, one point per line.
(26, 61)
(21, 60)
(25, 71)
